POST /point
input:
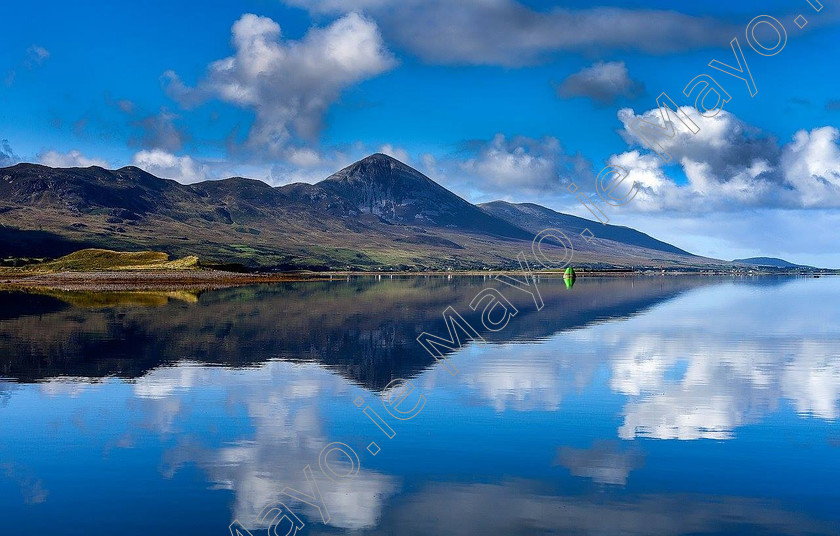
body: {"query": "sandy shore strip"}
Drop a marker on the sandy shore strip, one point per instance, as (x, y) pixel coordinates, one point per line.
(148, 280)
(116, 281)
(124, 280)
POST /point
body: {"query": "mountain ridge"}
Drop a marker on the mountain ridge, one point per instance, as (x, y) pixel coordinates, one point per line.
(376, 214)
(773, 262)
(535, 218)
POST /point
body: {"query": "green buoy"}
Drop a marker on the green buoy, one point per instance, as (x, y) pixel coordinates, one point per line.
(569, 277)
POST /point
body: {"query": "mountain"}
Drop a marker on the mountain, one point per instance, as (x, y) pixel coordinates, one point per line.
(377, 214)
(771, 262)
(129, 191)
(535, 218)
(385, 187)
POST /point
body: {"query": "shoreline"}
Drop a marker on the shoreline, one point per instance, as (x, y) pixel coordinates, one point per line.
(144, 280)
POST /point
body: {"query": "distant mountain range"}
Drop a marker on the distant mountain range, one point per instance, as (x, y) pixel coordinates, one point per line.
(771, 262)
(377, 214)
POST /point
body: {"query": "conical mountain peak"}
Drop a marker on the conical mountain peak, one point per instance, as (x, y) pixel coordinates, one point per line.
(385, 187)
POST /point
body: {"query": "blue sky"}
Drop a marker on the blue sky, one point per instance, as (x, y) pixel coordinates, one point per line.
(495, 99)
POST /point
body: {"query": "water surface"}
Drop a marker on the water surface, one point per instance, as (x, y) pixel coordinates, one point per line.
(625, 406)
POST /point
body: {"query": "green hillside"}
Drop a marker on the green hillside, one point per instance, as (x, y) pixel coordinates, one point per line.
(98, 260)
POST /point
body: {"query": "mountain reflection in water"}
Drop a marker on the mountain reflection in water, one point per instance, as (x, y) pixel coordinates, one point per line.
(626, 406)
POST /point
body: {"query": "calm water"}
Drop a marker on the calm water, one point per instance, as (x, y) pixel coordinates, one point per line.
(632, 406)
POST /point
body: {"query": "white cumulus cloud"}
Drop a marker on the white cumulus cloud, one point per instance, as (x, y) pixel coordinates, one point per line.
(730, 165)
(70, 159)
(503, 166)
(183, 169)
(811, 165)
(288, 84)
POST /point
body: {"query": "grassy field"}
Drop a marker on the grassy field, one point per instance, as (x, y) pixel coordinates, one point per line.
(101, 260)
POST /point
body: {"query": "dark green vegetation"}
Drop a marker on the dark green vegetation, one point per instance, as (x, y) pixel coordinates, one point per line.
(378, 214)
